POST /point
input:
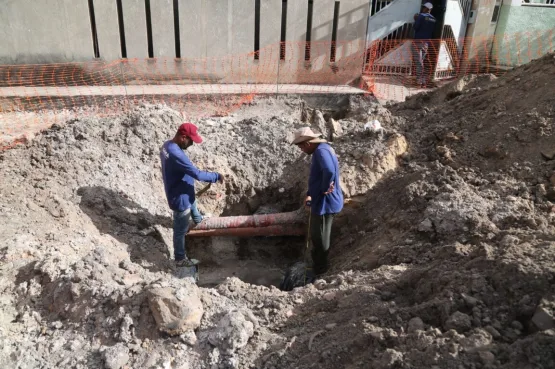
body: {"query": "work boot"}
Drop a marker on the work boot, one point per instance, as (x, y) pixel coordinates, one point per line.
(186, 263)
(187, 268)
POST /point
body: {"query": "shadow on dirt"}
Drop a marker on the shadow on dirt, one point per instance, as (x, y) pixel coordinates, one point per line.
(114, 213)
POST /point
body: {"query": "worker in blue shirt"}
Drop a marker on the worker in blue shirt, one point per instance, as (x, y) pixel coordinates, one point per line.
(324, 196)
(179, 175)
(424, 24)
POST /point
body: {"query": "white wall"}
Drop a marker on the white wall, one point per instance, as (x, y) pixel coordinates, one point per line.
(454, 17)
(391, 18)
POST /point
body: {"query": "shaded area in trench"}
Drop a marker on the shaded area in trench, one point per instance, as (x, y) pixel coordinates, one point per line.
(255, 260)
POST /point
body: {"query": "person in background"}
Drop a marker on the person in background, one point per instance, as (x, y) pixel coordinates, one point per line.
(179, 175)
(424, 25)
(324, 196)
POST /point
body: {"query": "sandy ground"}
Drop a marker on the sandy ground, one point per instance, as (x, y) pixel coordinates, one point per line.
(442, 257)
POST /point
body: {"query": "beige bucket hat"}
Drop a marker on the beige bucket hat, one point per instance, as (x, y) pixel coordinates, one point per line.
(306, 134)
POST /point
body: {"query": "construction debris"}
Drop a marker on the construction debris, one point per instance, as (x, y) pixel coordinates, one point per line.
(443, 256)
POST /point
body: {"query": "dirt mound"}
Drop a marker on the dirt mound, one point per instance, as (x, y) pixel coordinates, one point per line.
(491, 126)
(442, 258)
(86, 237)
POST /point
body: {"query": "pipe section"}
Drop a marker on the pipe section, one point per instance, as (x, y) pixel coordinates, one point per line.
(273, 230)
(281, 224)
(252, 221)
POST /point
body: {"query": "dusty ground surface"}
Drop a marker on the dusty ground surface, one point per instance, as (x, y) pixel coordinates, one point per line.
(442, 258)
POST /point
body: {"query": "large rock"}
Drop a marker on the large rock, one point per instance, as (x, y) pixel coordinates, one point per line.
(176, 310)
(415, 324)
(116, 357)
(544, 317)
(390, 359)
(459, 321)
(233, 331)
(319, 124)
(335, 129)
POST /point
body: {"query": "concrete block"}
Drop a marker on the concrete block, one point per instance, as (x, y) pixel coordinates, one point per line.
(270, 29)
(192, 28)
(266, 68)
(163, 35)
(293, 66)
(297, 13)
(219, 27)
(107, 29)
(242, 27)
(45, 32)
(351, 28)
(322, 28)
(134, 20)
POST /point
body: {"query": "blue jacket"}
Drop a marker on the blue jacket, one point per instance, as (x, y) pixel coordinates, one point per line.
(179, 174)
(324, 169)
(424, 26)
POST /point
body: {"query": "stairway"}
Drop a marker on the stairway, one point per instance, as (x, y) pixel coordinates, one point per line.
(388, 16)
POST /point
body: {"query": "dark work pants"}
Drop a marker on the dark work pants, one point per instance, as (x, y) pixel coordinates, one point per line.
(320, 232)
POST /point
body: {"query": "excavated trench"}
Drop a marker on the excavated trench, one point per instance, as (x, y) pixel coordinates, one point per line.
(442, 264)
(110, 169)
(259, 260)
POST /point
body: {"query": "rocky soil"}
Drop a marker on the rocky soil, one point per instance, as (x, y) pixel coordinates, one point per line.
(442, 258)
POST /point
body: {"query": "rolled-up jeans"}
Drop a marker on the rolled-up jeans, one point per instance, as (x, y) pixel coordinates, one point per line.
(195, 213)
(181, 220)
(419, 53)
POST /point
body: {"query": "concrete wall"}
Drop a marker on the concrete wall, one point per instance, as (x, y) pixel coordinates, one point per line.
(351, 30)
(523, 33)
(134, 19)
(216, 38)
(482, 28)
(454, 17)
(106, 14)
(479, 38)
(44, 31)
(163, 38)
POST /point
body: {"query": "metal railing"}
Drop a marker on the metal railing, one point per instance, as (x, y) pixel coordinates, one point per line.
(466, 6)
(378, 5)
(379, 49)
(448, 39)
(539, 3)
(401, 33)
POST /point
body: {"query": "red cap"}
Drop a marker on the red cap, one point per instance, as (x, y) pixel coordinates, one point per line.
(190, 130)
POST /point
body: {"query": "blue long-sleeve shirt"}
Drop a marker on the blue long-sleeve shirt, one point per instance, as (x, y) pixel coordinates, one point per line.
(324, 170)
(179, 174)
(424, 26)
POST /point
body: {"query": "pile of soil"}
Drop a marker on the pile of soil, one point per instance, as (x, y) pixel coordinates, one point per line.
(442, 257)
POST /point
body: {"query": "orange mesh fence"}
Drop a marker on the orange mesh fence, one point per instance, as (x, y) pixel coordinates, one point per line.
(33, 97)
(391, 72)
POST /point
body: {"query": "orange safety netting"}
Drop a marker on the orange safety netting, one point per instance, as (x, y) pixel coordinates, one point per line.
(390, 69)
(33, 97)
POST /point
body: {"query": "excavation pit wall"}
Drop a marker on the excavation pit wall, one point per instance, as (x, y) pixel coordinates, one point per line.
(447, 262)
(87, 231)
(100, 177)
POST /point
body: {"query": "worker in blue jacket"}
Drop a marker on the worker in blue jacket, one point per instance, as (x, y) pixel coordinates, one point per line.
(424, 24)
(179, 175)
(324, 195)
